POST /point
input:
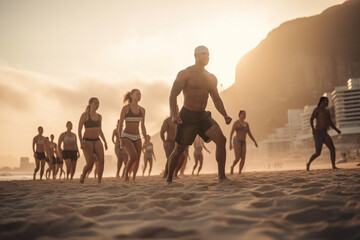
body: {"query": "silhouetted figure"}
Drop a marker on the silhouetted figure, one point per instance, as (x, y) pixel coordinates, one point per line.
(148, 150)
(133, 114)
(197, 84)
(198, 155)
(241, 128)
(323, 122)
(90, 142)
(70, 151)
(169, 128)
(38, 146)
(49, 157)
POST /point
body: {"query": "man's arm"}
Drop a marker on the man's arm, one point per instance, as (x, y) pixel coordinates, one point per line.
(332, 125)
(217, 100)
(313, 116)
(164, 127)
(176, 89)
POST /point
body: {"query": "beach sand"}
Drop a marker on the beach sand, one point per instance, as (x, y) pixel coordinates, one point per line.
(320, 204)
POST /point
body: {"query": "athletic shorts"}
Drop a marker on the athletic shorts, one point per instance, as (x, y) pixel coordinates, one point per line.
(69, 154)
(193, 123)
(40, 155)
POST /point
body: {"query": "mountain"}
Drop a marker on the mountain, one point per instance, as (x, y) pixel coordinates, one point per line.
(294, 65)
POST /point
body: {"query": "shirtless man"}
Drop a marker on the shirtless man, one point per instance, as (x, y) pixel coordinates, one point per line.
(323, 122)
(197, 84)
(169, 128)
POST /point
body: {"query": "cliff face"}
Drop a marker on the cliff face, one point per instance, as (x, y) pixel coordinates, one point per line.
(295, 65)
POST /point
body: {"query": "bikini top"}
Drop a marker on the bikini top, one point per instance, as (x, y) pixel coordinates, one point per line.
(71, 139)
(198, 144)
(241, 128)
(132, 117)
(91, 123)
(149, 148)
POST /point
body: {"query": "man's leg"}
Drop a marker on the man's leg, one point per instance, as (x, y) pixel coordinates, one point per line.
(173, 160)
(318, 148)
(215, 134)
(329, 143)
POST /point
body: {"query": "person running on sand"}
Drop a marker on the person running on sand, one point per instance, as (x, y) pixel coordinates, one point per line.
(119, 152)
(90, 142)
(241, 128)
(148, 150)
(169, 128)
(323, 122)
(133, 115)
(197, 84)
(70, 152)
(198, 155)
(38, 146)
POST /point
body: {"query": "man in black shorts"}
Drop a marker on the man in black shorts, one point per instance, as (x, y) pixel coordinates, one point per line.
(197, 84)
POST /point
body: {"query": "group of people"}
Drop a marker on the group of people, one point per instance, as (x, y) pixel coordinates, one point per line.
(47, 151)
(191, 125)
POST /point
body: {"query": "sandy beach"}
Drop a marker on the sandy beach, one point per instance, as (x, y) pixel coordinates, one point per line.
(320, 204)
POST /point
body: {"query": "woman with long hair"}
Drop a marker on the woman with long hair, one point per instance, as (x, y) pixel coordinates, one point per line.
(70, 152)
(133, 115)
(148, 150)
(242, 128)
(90, 142)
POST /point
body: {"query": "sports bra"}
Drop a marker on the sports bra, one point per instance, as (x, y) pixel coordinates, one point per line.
(91, 123)
(71, 139)
(242, 128)
(131, 117)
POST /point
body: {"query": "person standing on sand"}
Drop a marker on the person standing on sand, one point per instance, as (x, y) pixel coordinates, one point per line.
(198, 155)
(70, 152)
(323, 122)
(197, 84)
(133, 115)
(38, 146)
(119, 152)
(52, 146)
(91, 143)
(242, 128)
(148, 150)
(169, 128)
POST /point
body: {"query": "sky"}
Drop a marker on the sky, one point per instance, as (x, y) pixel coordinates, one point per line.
(55, 55)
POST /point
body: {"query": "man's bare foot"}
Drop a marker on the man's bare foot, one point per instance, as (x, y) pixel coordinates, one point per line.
(232, 170)
(307, 166)
(334, 167)
(126, 179)
(223, 179)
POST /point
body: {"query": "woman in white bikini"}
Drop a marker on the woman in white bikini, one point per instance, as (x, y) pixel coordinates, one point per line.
(133, 115)
(148, 150)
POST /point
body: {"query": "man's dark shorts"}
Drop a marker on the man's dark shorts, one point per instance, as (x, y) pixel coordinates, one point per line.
(193, 123)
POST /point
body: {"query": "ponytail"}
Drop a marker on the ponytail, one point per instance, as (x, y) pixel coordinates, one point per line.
(127, 97)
